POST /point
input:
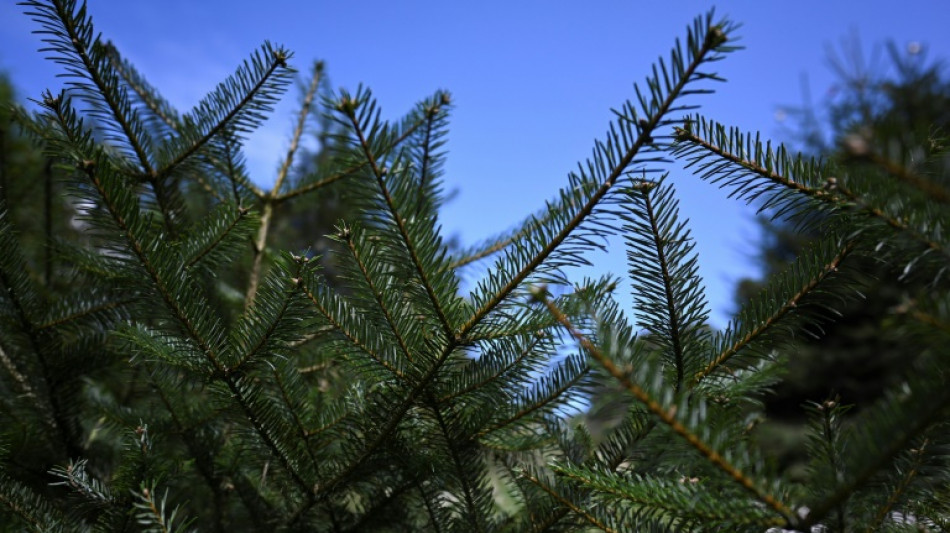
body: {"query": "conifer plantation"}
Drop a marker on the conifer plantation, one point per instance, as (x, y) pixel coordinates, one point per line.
(183, 349)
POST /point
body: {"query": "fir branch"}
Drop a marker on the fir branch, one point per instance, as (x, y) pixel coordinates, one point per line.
(332, 316)
(198, 450)
(610, 454)
(565, 379)
(754, 158)
(85, 312)
(154, 103)
(461, 472)
(430, 510)
(931, 189)
(299, 128)
(330, 422)
(498, 372)
(47, 218)
(714, 38)
(168, 116)
(310, 369)
(30, 508)
(260, 244)
(666, 284)
(430, 161)
(234, 170)
(239, 388)
(682, 499)
(668, 417)
(256, 83)
(898, 423)
(350, 170)
(158, 106)
(927, 318)
(347, 237)
(763, 325)
(287, 397)
(70, 34)
(23, 511)
(488, 251)
(225, 228)
(25, 389)
(124, 213)
(151, 268)
(348, 107)
(826, 451)
(71, 39)
(588, 517)
(76, 478)
(500, 243)
(316, 185)
(659, 243)
(25, 301)
(777, 168)
(384, 434)
(270, 199)
(901, 488)
(264, 321)
(897, 223)
(152, 515)
(379, 513)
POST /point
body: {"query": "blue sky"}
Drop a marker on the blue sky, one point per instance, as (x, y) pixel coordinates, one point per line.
(533, 82)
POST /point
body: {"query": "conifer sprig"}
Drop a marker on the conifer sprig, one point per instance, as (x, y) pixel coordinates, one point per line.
(755, 327)
(25, 505)
(163, 114)
(668, 416)
(22, 309)
(668, 292)
(267, 214)
(69, 34)
(152, 513)
(591, 185)
(753, 170)
(898, 420)
(236, 106)
(360, 121)
(357, 334)
(315, 181)
(178, 295)
(569, 504)
(786, 184)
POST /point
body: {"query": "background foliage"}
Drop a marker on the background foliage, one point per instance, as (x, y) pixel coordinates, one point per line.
(182, 348)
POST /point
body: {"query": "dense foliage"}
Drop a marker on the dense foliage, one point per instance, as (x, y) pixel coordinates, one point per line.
(165, 365)
(901, 101)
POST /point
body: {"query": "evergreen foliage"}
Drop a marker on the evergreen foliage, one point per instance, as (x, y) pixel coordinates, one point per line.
(898, 104)
(142, 391)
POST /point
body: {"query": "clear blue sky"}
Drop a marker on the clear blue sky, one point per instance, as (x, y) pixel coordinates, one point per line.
(533, 82)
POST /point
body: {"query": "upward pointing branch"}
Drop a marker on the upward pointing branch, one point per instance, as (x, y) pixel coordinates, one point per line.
(260, 243)
(447, 327)
(714, 38)
(668, 417)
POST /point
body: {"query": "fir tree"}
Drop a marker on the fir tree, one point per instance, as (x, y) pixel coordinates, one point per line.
(895, 105)
(174, 376)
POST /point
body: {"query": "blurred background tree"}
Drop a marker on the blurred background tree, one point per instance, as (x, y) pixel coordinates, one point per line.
(28, 189)
(884, 107)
